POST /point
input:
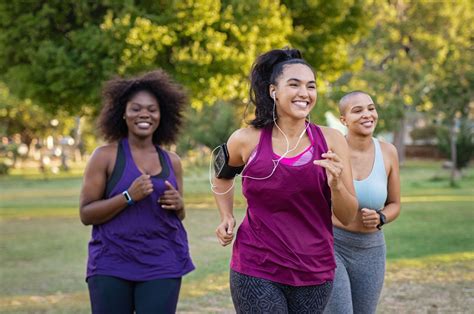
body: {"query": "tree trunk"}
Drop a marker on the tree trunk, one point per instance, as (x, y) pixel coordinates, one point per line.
(77, 135)
(399, 140)
(452, 141)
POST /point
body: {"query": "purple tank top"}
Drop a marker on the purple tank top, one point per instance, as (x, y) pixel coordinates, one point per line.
(286, 235)
(144, 241)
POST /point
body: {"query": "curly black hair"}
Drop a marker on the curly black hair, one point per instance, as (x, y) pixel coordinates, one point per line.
(266, 70)
(117, 92)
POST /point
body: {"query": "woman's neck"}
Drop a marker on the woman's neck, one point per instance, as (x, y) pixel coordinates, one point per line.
(291, 128)
(140, 143)
(359, 142)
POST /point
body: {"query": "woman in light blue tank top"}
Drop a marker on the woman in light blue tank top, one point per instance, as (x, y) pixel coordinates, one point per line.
(360, 246)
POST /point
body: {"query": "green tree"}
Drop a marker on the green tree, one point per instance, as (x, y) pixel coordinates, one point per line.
(58, 53)
(55, 53)
(325, 31)
(452, 83)
(463, 141)
(406, 46)
(28, 120)
(212, 126)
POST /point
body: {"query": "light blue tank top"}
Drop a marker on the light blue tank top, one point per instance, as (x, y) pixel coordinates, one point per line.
(371, 192)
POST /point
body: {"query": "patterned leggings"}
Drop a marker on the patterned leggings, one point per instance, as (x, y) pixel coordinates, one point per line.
(257, 295)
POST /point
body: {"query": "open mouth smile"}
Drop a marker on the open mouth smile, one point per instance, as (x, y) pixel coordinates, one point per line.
(302, 104)
(143, 125)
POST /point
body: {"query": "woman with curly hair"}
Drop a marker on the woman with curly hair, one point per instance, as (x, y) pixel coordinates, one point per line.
(132, 196)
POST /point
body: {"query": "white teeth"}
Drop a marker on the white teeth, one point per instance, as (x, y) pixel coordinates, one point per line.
(143, 124)
(302, 104)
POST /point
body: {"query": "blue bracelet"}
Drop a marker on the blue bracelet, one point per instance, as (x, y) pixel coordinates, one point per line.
(128, 198)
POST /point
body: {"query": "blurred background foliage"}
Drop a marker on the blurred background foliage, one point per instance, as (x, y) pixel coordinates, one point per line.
(411, 56)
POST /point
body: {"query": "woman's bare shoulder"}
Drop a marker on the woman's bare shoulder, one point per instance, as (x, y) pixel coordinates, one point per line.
(174, 158)
(245, 137)
(104, 155)
(106, 150)
(388, 149)
(333, 137)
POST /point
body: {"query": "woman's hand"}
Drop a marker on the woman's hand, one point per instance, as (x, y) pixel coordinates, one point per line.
(140, 188)
(225, 231)
(334, 167)
(171, 199)
(370, 218)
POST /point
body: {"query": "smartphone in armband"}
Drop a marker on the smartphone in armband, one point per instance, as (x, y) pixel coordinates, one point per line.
(221, 164)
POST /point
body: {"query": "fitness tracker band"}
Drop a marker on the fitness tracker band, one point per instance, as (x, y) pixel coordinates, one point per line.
(383, 220)
(128, 198)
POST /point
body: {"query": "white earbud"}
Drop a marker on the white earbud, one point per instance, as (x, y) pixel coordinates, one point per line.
(273, 95)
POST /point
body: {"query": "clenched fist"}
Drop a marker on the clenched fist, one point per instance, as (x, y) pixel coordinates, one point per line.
(141, 187)
(171, 199)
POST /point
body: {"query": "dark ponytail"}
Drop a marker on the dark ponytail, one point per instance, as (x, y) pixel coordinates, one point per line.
(265, 71)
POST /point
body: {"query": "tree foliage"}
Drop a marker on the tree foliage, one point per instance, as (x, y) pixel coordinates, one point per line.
(324, 31)
(210, 126)
(54, 52)
(464, 142)
(27, 119)
(58, 53)
(415, 58)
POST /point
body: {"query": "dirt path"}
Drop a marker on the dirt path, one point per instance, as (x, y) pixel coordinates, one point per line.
(438, 284)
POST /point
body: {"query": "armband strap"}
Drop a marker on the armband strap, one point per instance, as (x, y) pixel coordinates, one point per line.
(221, 164)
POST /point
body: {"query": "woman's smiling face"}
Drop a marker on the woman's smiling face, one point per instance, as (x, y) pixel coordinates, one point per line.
(295, 91)
(142, 114)
(360, 115)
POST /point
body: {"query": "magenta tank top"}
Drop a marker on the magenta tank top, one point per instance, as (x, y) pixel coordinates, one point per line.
(286, 235)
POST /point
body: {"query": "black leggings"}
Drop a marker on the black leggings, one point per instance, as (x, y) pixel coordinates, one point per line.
(114, 295)
(257, 295)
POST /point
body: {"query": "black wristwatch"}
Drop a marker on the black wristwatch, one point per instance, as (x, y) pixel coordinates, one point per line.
(383, 220)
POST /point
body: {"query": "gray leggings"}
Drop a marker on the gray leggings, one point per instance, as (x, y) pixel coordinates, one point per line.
(360, 259)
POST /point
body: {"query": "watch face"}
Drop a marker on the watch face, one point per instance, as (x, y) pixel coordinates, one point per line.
(382, 218)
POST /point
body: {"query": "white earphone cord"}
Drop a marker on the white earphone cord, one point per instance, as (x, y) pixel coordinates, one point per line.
(275, 162)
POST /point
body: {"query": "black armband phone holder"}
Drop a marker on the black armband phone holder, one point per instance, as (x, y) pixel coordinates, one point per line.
(221, 164)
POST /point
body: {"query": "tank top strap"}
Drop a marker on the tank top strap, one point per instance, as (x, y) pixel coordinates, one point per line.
(264, 146)
(164, 157)
(310, 135)
(126, 149)
(167, 171)
(118, 170)
(379, 166)
(318, 141)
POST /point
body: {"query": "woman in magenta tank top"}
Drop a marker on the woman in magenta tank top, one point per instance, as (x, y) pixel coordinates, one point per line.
(296, 175)
(132, 197)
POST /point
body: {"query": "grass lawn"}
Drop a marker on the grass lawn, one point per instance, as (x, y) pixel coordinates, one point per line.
(430, 248)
